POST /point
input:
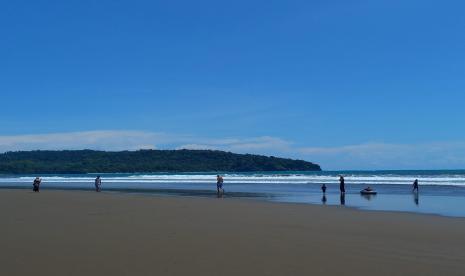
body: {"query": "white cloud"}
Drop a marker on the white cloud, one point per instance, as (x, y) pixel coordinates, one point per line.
(133, 140)
(101, 140)
(441, 155)
(263, 145)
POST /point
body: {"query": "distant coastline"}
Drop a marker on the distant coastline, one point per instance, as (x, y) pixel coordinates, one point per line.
(144, 161)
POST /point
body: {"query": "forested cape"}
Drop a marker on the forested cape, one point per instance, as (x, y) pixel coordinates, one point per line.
(143, 161)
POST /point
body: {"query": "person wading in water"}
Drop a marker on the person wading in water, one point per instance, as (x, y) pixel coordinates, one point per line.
(415, 186)
(342, 185)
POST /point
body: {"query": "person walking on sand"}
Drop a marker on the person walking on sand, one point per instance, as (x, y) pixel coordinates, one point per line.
(219, 184)
(36, 184)
(415, 186)
(98, 183)
(342, 185)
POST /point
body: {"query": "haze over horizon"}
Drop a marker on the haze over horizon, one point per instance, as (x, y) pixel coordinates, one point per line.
(362, 85)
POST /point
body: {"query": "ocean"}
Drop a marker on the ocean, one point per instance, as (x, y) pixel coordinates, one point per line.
(441, 192)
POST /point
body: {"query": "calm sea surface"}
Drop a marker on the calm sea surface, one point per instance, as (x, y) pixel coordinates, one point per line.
(441, 192)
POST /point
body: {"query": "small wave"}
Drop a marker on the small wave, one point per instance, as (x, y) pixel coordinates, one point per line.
(379, 179)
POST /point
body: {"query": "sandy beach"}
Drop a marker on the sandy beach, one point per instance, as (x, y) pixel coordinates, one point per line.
(86, 233)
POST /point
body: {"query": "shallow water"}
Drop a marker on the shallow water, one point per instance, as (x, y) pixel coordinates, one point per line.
(441, 192)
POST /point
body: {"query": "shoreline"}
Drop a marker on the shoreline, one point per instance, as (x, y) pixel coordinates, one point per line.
(88, 233)
(211, 194)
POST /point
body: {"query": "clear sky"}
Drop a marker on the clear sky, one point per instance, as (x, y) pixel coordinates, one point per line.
(347, 84)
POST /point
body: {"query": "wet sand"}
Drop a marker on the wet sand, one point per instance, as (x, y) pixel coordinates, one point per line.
(87, 233)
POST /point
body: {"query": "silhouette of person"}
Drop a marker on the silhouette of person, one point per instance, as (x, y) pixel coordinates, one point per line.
(342, 186)
(323, 188)
(415, 186)
(219, 185)
(36, 184)
(98, 184)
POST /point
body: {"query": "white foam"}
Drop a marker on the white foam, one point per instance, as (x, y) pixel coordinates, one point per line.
(453, 180)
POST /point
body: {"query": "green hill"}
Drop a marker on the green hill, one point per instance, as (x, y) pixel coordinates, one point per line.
(144, 161)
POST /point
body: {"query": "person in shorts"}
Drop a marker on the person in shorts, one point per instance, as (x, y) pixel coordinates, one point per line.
(219, 184)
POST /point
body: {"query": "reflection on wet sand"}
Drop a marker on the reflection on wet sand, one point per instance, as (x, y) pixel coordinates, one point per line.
(367, 197)
(416, 198)
(343, 199)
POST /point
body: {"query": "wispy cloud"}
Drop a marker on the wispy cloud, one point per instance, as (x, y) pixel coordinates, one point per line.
(263, 144)
(133, 140)
(101, 140)
(362, 156)
(435, 155)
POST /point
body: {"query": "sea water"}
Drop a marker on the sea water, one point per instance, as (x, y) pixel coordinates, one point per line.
(441, 192)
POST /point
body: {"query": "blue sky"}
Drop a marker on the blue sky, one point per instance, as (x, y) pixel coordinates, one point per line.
(347, 84)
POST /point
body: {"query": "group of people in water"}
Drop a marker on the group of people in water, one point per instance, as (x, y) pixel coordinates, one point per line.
(367, 190)
(220, 189)
(342, 186)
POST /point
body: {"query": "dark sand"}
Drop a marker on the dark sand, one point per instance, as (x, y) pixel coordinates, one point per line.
(85, 233)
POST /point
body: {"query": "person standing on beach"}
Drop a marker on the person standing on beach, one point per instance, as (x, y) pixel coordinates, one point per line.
(415, 186)
(98, 183)
(323, 188)
(342, 185)
(36, 184)
(219, 184)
